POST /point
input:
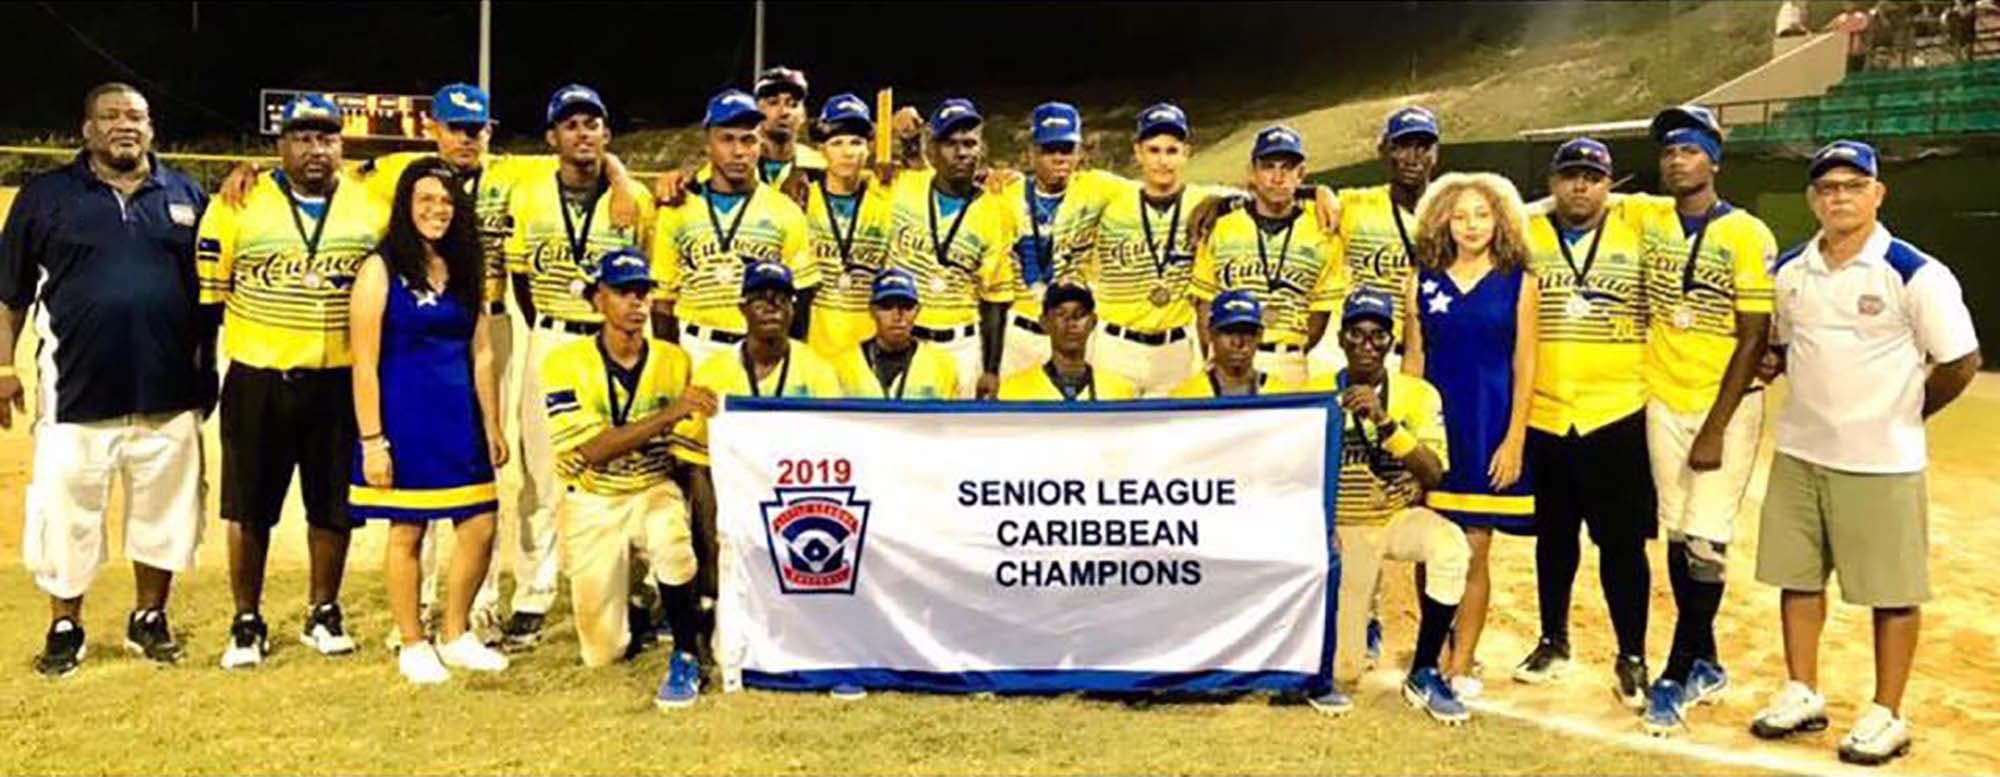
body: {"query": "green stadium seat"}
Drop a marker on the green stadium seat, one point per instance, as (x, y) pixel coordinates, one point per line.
(1842, 125)
(1903, 125)
(1969, 122)
(1906, 99)
(1844, 104)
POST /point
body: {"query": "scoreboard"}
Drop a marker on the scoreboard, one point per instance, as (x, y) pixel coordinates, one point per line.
(364, 116)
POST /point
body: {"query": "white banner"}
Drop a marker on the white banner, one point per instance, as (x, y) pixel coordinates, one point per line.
(1043, 548)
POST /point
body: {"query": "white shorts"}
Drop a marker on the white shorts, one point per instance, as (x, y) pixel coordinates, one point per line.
(1024, 347)
(964, 352)
(158, 458)
(1702, 504)
(1156, 370)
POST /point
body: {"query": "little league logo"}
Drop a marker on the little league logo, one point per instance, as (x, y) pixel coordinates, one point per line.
(815, 538)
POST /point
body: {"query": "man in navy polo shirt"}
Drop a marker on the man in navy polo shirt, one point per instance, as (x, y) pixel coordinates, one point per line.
(104, 247)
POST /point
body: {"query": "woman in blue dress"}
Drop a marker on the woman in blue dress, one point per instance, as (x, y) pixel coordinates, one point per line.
(426, 404)
(1472, 334)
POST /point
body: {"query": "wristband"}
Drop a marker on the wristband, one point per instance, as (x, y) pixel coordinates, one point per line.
(1400, 444)
(8, 371)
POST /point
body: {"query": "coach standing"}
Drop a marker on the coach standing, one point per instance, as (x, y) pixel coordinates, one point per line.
(105, 247)
(1847, 485)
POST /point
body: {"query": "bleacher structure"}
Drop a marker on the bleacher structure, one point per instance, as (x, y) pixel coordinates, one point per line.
(1956, 99)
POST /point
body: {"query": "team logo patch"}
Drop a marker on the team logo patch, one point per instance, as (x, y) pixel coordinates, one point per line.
(1870, 305)
(815, 537)
(181, 213)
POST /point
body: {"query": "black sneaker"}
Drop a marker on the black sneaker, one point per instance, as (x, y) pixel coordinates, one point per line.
(62, 650)
(523, 631)
(326, 631)
(1632, 683)
(1548, 662)
(248, 642)
(147, 636)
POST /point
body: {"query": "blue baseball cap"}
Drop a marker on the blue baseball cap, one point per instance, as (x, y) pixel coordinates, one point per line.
(573, 98)
(1068, 291)
(1276, 140)
(731, 107)
(1164, 117)
(621, 268)
(1585, 153)
(1413, 120)
(846, 110)
(309, 111)
(1369, 303)
(953, 114)
(1695, 117)
(1055, 122)
(461, 104)
(893, 284)
(1234, 308)
(763, 275)
(1843, 153)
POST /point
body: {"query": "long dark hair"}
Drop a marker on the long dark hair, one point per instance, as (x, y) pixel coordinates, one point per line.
(403, 248)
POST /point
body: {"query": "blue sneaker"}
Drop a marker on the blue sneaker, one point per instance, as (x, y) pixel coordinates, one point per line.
(849, 692)
(1374, 649)
(1666, 708)
(1332, 703)
(683, 683)
(1706, 682)
(1427, 690)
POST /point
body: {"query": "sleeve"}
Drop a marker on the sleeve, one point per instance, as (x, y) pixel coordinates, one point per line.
(1755, 252)
(1938, 315)
(1330, 289)
(1781, 319)
(1203, 284)
(690, 436)
(1425, 419)
(1637, 210)
(996, 268)
(665, 255)
(797, 245)
(22, 243)
(215, 252)
(515, 248)
(573, 418)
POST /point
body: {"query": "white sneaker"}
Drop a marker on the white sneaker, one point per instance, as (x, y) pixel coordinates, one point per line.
(467, 652)
(1467, 687)
(1878, 737)
(419, 664)
(325, 632)
(247, 643)
(1794, 709)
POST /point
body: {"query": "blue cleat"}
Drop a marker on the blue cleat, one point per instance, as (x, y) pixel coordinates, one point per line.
(683, 683)
(1374, 649)
(1427, 690)
(1666, 708)
(1706, 682)
(1333, 703)
(849, 692)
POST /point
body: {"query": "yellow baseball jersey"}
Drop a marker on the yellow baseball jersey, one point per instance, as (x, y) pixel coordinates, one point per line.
(956, 270)
(286, 300)
(582, 401)
(1377, 236)
(1694, 300)
(1294, 273)
(1374, 484)
(700, 265)
(804, 375)
(1202, 386)
(932, 374)
(489, 189)
(1141, 261)
(1070, 232)
(1034, 385)
(1589, 360)
(849, 247)
(546, 236)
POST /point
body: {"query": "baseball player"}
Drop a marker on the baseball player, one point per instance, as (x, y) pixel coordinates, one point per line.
(613, 402)
(1069, 315)
(1055, 212)
(893, 364)
(1236, 326)
(702, 245)
(104, 246)
(281, 266)
(848, 223)
(1288, 262)
(781, 99)
(562, 226)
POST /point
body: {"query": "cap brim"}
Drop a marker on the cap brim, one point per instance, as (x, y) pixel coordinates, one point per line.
(569, 109)
(893, 296)
(1284, 152)
(1062, 137)
(1368, 315)
(1167, 127)
(1676, 118)
(1235, 321)
(314, 122)
(738, 119)
(850, 125)
(769, 88)
(958, 123)
(1583, 164)
(1824, 166)
(1406, 132)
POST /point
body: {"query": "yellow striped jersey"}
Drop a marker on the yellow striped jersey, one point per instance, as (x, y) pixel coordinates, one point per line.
(582, 399)
(1034, 385)
(540, 247)
(1589, 359)
(286, 304)
(1297, 271)
(1142, 262)
(932, 374)
(1376, 253)
(1694, 304)
(1069, 232)
(977, 262)
(1202, 386)
(804, 375)
(489, 189)
(859, 222)
(700, 265)
(1375, 485)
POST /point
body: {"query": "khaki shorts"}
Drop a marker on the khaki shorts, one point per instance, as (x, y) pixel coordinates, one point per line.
(1872, 529)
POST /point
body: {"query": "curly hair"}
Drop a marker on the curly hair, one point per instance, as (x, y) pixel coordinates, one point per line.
(1435, 248)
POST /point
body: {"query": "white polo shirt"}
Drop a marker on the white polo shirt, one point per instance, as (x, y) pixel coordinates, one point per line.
(1859, 343)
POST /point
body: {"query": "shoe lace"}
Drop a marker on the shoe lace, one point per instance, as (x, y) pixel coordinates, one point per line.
(680, 671)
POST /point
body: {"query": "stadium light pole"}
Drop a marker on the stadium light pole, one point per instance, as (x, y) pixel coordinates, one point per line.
(757, 46)
(486, 46)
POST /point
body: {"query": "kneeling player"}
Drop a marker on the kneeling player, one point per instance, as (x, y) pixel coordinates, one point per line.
(1235, 326)
(894, 364)
(1069, 315)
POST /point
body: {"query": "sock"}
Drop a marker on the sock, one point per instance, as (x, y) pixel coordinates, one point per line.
(1556, 557)
(683, 616)
(1432, 628)
(1698, 601)
(1627, 581)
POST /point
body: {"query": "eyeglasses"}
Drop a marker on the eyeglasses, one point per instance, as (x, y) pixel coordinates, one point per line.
(1380, 338)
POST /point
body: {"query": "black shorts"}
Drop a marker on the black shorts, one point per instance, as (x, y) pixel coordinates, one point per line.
(1603, 480)
(273, 421)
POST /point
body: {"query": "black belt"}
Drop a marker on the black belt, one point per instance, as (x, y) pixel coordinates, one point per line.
(944, 335)
(295, 374)
(712, 334)
(1031, 325)
(1280, 348)
(497, 307)
(572, 327)
(1147, 338)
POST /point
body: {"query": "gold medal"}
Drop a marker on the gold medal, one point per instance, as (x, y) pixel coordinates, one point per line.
(576, 287)
(1577, 306)
(1683, 318)
(938, 284)
(311, 279)
(1270, 317)
(1160, 297)
(846, 282)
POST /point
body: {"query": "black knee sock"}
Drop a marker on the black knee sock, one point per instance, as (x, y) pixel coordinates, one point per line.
(1698, 601)
(1432, 628)
(683, 607)
(1556, 557)
(1627, 581)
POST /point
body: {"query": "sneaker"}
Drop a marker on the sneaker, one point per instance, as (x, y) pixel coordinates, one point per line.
(147, 636)
(682, 684)
(247, 642)
(1793, 709)
(1333, 703)
(419, 664)
(467, 652)
(1878, 737)
(1373, 651)
(522, 632)
(1547, 663)
(1706, 682)
(849, 692)
(1631, 687)
(1468, 687)
(1666, 708)
(1427, 690)
(485, 622)
(62, 650)
(324, 632)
